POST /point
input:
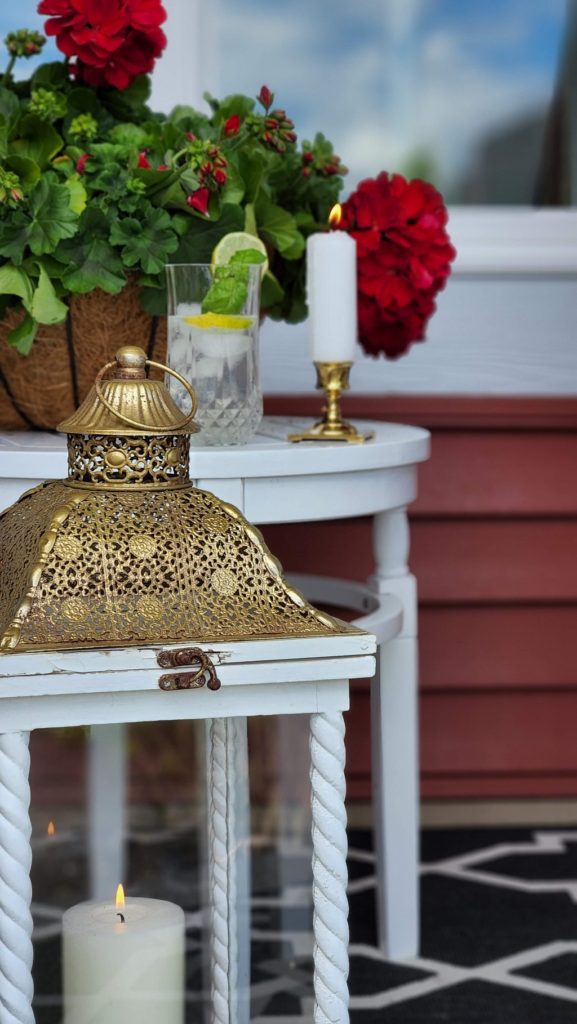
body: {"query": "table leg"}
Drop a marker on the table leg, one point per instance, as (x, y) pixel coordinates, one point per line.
(16, 987)
(107, 759)
(329, 835)
(229, 869)
(395, 762)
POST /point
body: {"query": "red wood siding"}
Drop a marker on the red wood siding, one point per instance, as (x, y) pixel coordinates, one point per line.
(494, 548)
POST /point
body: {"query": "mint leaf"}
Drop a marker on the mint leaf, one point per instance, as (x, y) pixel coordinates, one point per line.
(247, 256)
(229, 292)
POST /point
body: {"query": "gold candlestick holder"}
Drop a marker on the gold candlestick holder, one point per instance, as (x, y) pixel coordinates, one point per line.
(333, 379)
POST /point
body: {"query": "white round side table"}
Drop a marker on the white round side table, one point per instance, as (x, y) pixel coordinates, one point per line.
(273, 481)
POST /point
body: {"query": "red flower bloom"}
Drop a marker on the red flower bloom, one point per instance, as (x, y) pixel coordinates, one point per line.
(199, 200)
(143, 162)
(232, 126)
(403, 259)
(81, 162)
(113, 41)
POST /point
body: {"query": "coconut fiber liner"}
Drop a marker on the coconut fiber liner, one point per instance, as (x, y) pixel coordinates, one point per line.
(39, 390)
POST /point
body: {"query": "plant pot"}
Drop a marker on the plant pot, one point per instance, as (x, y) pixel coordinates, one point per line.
(39, 390)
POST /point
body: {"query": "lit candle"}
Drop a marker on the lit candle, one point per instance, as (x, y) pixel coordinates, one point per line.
(332, 294)
(123, 963)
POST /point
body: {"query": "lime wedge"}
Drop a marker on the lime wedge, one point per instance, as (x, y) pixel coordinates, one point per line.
(220, 320)
(233, 243)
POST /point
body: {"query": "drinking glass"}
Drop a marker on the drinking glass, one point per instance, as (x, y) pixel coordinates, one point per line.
(216, 351)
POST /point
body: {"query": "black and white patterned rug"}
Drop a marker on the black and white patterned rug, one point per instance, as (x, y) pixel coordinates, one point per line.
(499, 943)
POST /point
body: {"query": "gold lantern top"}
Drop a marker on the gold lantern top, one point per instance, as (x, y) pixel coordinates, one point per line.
(126, 551)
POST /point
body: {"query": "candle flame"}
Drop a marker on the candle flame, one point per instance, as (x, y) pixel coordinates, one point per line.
(120, 900)
(51, 828)
(335, 216)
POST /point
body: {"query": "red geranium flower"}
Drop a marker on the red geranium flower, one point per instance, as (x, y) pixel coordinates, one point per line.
(199, 200)
(113, 41)
(232, 126)
(403, 259)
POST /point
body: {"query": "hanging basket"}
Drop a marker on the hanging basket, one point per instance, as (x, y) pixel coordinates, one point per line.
(39, 390)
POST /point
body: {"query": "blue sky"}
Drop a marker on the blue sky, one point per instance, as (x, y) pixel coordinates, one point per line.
(385, 78)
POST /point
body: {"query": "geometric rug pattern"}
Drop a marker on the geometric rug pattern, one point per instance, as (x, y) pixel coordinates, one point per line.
(499, 927)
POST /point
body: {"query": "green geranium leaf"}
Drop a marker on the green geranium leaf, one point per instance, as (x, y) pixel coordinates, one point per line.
(35, 139)
(51, 76)
(129, 135)
(9, 105)
(234, 189)
(52, 217)
(236, 104)
(252, 165)
(15, 281)
(84, 101)
(187, 119)
(77, 193)
(271, 291)
(145, 244)
(250, 220)
(22, 337)
(14, 237)
(123, 104)
(3, 136)
(90, 260)
(152, 294)
(197, 244)
(278, 227)
(46, 307)
(27, 170)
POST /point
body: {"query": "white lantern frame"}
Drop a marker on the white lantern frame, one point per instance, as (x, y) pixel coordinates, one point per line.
(121, 685)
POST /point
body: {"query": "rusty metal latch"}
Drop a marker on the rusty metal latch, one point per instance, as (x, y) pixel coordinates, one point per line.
(204, 672)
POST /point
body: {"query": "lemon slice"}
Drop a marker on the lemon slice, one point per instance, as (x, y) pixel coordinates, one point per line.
(233, 243)
(221, 320)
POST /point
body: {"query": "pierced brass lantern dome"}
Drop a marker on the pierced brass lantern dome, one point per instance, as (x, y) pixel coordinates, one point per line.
(126, 551)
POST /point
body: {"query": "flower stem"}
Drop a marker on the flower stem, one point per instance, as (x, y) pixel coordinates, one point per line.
(6, 74)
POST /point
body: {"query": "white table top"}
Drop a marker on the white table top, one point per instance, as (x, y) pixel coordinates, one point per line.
(33, 454)
(269, 479)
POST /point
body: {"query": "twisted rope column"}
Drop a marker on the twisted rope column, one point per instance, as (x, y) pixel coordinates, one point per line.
(221, 868)
(16, 988)
(330, 921)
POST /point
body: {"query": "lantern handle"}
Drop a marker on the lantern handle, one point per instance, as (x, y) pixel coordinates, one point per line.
(134, 423)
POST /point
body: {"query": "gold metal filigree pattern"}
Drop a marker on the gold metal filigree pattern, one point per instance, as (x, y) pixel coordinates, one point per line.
(161, 460)
(198, 584)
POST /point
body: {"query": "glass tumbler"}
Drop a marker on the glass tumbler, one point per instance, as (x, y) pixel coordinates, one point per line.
(216, 349)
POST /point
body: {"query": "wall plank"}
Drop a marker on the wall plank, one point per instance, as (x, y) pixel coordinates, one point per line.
(494, 549)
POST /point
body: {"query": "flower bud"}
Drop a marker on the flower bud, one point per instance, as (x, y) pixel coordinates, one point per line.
(81, 162)
(219, 177)
(24, 43)
(265, 97)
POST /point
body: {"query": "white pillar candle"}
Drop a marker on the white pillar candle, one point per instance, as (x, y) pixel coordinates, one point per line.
(332, 296)
(129, 972)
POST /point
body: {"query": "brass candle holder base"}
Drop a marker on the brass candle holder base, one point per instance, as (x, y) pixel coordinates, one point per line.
(333, 379)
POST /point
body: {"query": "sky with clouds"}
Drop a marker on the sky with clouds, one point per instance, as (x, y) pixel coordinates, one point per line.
(386, 80)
